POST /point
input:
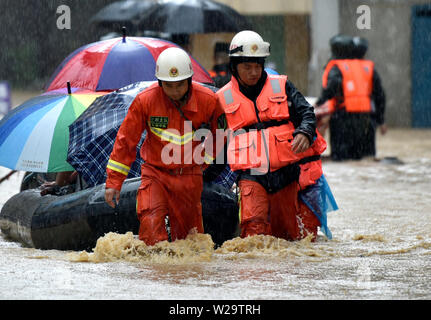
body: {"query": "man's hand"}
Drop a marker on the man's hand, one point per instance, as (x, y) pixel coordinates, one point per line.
(383, 129)
(110, 194)
(323, 124)
(300, 143)
(48, 188)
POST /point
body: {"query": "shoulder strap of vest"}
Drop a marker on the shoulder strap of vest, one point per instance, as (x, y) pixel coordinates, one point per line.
(330, 64)
(328, 68)
(368, 63)
(343, 64)
(278, 83)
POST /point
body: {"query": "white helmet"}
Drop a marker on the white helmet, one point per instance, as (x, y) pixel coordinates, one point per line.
(248, 44)
(173, 64)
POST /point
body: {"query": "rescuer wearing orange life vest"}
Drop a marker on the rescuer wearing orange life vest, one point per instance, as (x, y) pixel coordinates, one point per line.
(272, 144)
(171, 177)
(353, 96)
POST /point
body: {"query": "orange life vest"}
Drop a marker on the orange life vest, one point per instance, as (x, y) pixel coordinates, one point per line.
(263, 143)
(357, 84)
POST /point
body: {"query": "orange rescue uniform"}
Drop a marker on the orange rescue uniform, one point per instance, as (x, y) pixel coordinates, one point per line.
(171, 176)
(263, 143)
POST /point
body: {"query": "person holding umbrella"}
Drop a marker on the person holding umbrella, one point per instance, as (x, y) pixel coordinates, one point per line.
(171, 111)
(273, 145)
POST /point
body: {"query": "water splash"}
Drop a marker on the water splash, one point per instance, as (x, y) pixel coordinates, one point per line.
(196, 247)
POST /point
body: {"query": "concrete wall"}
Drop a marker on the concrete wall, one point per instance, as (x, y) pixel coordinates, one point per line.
(297, 50)
(324, 23)
(270, 7)
(203, 47)
(31, 44)
(389, 38)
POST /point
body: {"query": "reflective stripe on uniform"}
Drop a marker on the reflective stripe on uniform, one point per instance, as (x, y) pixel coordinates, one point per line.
(228, 98)
(165, 135)
(208, 159)
(275, 84)
(119, 167)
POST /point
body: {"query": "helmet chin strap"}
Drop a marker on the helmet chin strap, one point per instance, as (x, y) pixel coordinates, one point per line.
(232, 67)
(241, 81)
(186, 95)
(183, 99)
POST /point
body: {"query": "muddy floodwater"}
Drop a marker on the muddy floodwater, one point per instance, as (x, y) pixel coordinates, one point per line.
(381, 247)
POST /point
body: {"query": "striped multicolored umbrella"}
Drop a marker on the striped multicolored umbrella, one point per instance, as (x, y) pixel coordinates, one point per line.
(115, 63)
(35, 135)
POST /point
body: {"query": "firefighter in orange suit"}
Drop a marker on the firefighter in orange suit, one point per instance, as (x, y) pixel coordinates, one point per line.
(171, 111)
(273, 144)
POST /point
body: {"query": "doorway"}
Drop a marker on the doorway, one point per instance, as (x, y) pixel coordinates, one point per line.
(421, 66)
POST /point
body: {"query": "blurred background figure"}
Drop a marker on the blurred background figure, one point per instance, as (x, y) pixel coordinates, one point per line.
(352, 101)
(220, 72)
(183, 40)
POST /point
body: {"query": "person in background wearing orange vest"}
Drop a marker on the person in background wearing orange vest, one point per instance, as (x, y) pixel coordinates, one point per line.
(220, 72)
(171, 111)
(272, 144)
(354, 98)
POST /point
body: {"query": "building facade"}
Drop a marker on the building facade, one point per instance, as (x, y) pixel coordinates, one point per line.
(397, 31)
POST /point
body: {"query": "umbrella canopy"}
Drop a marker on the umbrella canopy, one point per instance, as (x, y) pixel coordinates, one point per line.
(93, 134)
(34, 136)
(122, 11)
(192, 16)
(112, 64)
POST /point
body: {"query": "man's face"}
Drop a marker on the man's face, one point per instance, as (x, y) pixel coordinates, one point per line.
(249, 72)
(175, 89)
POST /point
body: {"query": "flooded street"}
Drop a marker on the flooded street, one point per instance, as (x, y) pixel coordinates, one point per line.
(381, 247)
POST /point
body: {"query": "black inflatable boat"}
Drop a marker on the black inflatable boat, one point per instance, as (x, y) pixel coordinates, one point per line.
(75, 221)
